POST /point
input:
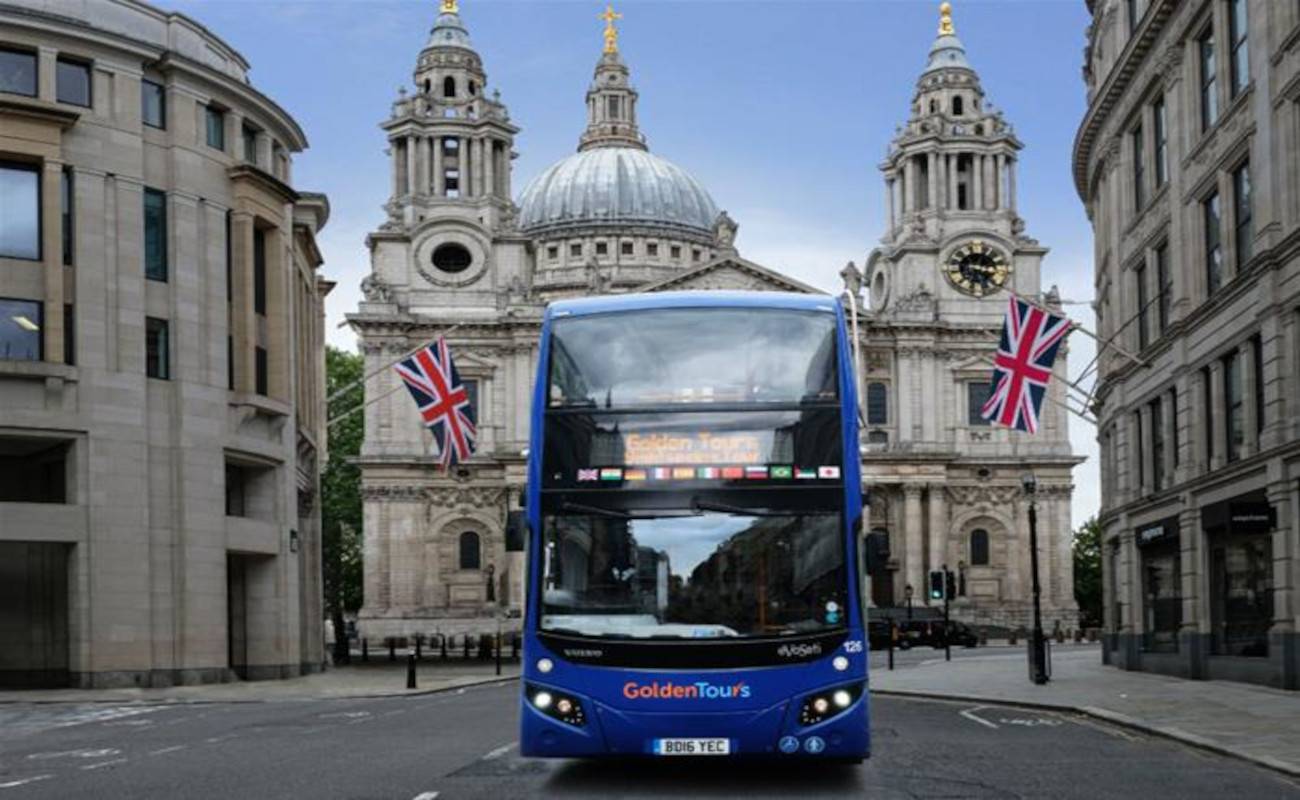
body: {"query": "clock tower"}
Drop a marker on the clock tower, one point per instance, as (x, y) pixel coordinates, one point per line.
(944, 483)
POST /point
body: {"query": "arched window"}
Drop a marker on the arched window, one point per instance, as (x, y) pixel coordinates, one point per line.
(428, 86)
(449, 86)
(934, 106)
(877, 404)
(979, 548)
(469, 551)
(473, 87)
(956, 106)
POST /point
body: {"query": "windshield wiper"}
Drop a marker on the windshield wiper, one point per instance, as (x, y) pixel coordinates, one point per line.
(698, 505)
(583, 508)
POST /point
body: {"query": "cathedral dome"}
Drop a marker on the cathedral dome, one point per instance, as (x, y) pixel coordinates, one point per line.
(616, 186)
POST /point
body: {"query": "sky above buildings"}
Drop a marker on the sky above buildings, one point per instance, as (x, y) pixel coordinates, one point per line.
(783, 109)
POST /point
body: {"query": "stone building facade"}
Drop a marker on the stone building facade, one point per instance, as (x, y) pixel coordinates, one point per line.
(1188, 161)
(161, 358)
(456, 256)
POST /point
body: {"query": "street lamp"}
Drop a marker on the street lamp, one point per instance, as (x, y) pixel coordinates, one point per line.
(1038, 650)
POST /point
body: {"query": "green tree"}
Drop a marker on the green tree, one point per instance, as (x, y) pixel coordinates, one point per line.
(1087, 573)
(341, 495)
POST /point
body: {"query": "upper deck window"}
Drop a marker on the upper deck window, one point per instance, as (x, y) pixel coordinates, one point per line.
(693, 356)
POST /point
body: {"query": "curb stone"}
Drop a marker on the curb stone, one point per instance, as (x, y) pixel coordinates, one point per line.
(1113, 718)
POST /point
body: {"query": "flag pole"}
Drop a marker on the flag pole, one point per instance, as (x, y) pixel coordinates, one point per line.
(363, 406)
(1075, 326)
(388, 365)
(1048, 397)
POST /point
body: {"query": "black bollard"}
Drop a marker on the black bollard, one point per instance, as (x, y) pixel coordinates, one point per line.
(365, 650)
(514, 647)
(443, 639)
(419, 639)
(467, 647)
(410, 671)
(893, 634)
(498, 652)
(392, 648)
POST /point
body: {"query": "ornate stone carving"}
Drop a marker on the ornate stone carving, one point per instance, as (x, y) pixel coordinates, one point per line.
(466, 497)
(920, 300)
(597, 280)
(392, 493)
(984, 495)
(852, 278)
(375, 289)
(724, 233)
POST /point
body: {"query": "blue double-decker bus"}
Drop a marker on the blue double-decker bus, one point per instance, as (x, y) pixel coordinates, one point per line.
(693, 504)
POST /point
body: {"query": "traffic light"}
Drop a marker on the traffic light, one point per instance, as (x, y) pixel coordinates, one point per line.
(952, 584)
(936, 584)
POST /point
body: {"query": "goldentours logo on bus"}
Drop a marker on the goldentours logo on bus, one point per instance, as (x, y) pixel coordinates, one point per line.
(700, 690)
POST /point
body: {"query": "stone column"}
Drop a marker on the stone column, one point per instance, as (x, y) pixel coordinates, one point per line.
(941, 199)
(410, 165)
(1146, 474)
(977, 178)
(490, 168)
(932, 184)
(889, 196)
(51, 234)
(952, 180)
(909, 186)
(1001, 182)
(915, 566)
(422, 144)
(439, 171)
(939, 527)
(1170, 434)
(1218, 413)
(395, 148)
(243, 322)
(1011, 184)
(1250, 417)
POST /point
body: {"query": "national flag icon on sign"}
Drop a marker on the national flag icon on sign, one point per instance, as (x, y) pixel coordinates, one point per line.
(733, 473)
(756, 473)
(634, 475)
(587, 475)
(828, 473)
(707, 473)
(661, 474)
(683, 473)
(611, 474)
(805, 474)
(781, 473)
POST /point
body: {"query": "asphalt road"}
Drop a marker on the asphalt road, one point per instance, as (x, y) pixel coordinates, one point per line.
(462, 744)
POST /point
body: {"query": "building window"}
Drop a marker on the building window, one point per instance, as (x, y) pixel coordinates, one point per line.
(66, 210)
(957, 108)
(249, 135)
(230, 259)
(230, 363)
(1131, 9)
(34, 470)
(153, 104)
(652, 250)
(1234, 406)
(157, 349)
(614, 109)
(1161, 132)
(1209, 84)
(977, 394)
(69, 334)
(1213, 244)
(72, 82)
(627, 248)
(17, 72)
(1139, 442)
(1207, 417)
(695, 255)
(877, 404)
(470, 557)
(1238, 30)
(20, 224)
(1241, 594)
(261, 378)
(1139, 171)
(675, 251)
(216, 127)
(1140, 284)
(259, 271)
(449, 87)
(236, 494)
(1157, 445)
(1173, 423)
(1164, 291)
(155, 235)
(602, 249)
(21, 324)
(1257, 361)
(553, 252)
(1162, 602)
(471, 392)
(575, 251)
(979, 548)
(1244, 232)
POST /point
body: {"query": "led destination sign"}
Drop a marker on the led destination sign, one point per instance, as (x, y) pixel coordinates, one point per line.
(699, 447)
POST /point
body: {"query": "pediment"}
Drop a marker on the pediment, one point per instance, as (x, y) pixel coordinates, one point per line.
(730, 274)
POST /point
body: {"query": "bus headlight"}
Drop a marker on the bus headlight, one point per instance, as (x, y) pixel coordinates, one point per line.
(825, 704)
(545, 665)
(840, 663)
(557, 705)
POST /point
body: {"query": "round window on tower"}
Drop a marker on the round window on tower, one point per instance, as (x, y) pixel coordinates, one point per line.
(452, 258)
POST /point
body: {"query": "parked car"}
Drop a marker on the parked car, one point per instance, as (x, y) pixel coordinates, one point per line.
(959, 634)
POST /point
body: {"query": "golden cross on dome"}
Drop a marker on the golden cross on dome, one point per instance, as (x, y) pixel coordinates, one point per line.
(450, 7)
(611, 32)
(945, 19)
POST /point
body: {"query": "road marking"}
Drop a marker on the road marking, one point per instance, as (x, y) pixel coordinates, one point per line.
(216, 739)
(346, 714)
(24, 781)
(107, 751)
(970, 715)
(166, 750)
(500, 751)
(426, 796)
(1036, 722)
(105, 763)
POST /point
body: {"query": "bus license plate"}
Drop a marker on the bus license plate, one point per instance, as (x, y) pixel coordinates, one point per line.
(692, 747)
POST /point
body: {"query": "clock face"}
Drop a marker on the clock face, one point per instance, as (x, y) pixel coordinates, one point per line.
(978, 268)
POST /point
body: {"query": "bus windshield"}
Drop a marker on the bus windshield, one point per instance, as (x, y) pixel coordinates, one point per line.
(701, 575)
(692, 355)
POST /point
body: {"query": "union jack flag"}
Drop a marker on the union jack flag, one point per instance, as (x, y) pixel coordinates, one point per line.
(1022, 367)
(443, 400)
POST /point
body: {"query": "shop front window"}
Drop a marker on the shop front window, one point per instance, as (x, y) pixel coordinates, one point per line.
(1162, 603)
(1241, 594)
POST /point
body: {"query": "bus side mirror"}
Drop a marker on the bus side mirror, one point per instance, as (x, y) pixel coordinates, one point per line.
(516, 531)
(877, 553)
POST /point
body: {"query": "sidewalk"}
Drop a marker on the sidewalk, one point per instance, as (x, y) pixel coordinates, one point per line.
(1255, 723)
(378, 678)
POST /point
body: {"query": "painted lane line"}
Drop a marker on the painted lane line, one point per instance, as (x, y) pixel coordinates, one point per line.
(102, 753)
(105, 763)
(24, 781)
(426, 796)
(167, 750)
(500, 751)
(970, 715)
